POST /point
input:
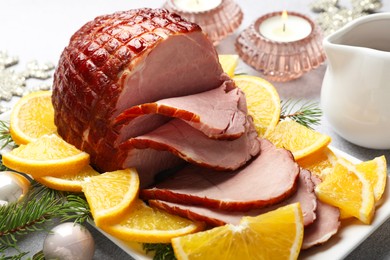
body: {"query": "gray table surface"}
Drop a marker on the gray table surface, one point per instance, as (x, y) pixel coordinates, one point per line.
(40, 29)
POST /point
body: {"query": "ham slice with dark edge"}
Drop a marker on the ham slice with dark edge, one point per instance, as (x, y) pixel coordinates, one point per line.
(266, 180)
(213, 217)
(137, 58)
(193, 146)
(325, 226)
(217, 113)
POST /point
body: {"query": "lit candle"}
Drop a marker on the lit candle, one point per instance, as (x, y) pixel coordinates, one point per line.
(196, 5)
(285, 28)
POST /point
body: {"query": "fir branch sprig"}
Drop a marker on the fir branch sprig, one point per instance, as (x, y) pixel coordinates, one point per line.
(39, 207)
(162, 251)
(308, 114)
(20, 218)
(5, 135)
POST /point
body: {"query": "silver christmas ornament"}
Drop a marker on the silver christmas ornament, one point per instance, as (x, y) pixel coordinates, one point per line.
(69, 241)
(13, 187)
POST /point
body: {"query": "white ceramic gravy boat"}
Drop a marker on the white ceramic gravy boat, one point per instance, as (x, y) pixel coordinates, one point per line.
(355, 95)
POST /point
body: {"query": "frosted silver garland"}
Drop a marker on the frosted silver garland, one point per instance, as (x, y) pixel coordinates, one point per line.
(332, 16)
(13, 83)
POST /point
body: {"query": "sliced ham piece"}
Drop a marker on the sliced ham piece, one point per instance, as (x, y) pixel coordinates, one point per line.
(218, 113)
(141, 58)
(193, 146)
(324, 227)
(214, 217)
(267, 179)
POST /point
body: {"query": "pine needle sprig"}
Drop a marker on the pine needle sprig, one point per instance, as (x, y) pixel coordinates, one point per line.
(75, 208)
(20, 218)
(5, 135)
(162, 251)
(308, 114)
(14, 257)
(40, 206)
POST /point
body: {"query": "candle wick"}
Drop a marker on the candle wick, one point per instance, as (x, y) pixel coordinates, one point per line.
(284, 27)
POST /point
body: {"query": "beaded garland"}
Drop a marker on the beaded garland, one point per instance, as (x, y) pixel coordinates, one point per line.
(13, 83)
(333, 16)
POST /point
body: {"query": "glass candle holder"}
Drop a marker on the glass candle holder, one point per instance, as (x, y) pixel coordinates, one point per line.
(217, 18)
(282, 50)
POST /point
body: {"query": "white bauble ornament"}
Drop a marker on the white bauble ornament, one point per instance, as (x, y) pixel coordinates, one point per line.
(13, 187)
(69, 241)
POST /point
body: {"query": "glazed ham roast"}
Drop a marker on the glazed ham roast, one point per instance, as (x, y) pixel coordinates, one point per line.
(144, 88)
(124, 76)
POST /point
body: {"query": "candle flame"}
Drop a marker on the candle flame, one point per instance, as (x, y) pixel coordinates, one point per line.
(284, 19)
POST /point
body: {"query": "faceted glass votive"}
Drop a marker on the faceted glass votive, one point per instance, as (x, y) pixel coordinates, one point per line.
(280, 60)
(217, 22)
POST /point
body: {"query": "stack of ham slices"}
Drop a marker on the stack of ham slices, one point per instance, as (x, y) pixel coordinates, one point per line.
(144, 88)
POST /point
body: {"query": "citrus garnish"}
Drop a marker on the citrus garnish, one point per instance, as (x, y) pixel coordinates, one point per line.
(32, 117)
(68, 182)
(300, 140)
(375, 171)
(262, 100)
(148, 225)
(111, 194)
(48, 155)
(319, 163)
(228, 63)
(277, 234)
(348, 189)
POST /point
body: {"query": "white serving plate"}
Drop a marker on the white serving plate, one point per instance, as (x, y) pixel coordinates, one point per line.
(351, 234)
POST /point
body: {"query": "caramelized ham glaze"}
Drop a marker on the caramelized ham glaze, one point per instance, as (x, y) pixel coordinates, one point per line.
(140, 59)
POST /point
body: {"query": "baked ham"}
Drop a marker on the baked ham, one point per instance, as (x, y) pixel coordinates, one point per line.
(268, 179)
(214, 217)
(124, 76)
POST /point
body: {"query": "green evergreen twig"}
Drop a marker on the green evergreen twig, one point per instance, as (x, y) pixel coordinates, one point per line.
(5, 135)
(308, 114)
(162, 251)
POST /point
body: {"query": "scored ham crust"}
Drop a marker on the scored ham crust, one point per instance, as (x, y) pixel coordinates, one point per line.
(127, 74)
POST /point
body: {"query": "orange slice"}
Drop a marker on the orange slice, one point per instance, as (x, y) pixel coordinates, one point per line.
(348, 189)
(262, 100)
(69, 181)
(48, 155)
(319, 163)
(111, 194)
(228, 63)
(274, 235)
(300, 140)
(144, 224)
(375, 171)
(32, 117)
